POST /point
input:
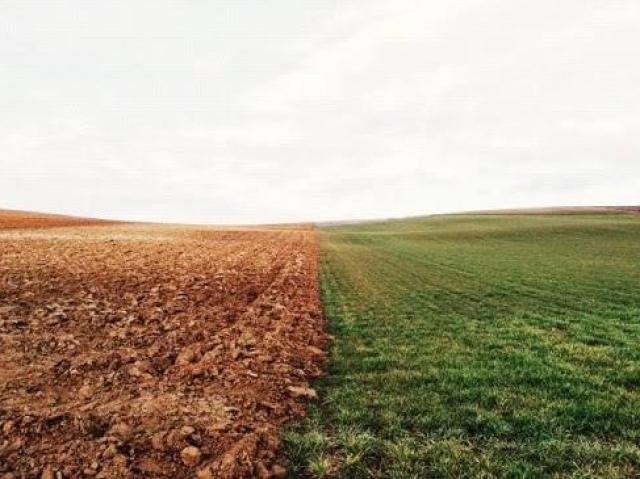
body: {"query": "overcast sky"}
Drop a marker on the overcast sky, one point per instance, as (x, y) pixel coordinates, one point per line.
(263, 111)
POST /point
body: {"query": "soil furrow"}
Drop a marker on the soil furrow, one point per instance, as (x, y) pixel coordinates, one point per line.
(149, 351)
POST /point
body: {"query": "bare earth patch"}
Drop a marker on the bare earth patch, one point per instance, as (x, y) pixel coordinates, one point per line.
(11, 219)
(151, 351)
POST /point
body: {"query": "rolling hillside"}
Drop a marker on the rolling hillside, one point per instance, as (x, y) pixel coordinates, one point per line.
(14, 219)
(479, 346)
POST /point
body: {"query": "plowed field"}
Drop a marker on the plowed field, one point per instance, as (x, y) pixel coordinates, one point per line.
(154, 351)
(10, 219)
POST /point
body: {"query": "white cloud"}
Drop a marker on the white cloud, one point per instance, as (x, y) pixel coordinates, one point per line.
(231, 112)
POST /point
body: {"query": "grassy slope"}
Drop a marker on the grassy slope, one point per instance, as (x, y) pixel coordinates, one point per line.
(479, 346)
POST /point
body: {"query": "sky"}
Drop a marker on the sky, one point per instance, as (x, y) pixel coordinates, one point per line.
(232, 112)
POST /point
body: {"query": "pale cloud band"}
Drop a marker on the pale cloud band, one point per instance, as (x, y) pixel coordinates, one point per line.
(242, 112)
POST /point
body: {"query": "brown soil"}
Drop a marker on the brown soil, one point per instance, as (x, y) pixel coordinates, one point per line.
(154, 351)
(11, 219)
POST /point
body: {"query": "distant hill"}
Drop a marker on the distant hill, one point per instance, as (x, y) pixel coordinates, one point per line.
(14, 219)
(556, 210)
(552, 210)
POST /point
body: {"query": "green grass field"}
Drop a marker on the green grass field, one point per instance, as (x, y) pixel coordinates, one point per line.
(479, 346)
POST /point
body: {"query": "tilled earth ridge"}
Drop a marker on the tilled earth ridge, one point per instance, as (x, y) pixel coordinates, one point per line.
(147, 351)
(10, 219)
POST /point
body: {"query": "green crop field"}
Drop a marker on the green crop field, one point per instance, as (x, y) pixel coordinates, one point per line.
(479, 346)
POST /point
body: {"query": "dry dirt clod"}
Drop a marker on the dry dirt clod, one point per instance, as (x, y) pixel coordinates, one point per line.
(121, 430)
(316, 351)
(85, 392)
(47, 473)
(190, 456)
(186, 356)
(278, 471)
(204, 473)
(110, 452)
(7, 427)
(262, 472)
(120, 460)
(301, 391)
(157, 441)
